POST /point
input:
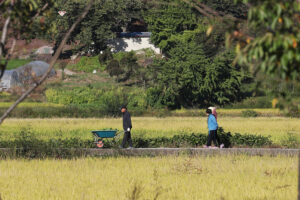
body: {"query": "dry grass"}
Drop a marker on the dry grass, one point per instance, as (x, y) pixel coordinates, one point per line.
(184, 178)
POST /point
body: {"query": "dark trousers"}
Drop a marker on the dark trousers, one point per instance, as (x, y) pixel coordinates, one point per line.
(127, 137)
(213, 136)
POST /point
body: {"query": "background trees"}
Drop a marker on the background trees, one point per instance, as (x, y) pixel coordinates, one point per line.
(100, 25)
(190, 79)
(196, 69)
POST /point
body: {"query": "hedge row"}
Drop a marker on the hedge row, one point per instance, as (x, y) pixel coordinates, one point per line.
(75, 111)
(90, 111)
(29, 146)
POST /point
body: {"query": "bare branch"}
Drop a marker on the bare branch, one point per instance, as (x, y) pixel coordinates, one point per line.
(3, 66)
(4, 35)
(51, 65)
(41, 10)
(208, 9)
(200, 10)
(209, 12)
(11, 49)
(3, 38)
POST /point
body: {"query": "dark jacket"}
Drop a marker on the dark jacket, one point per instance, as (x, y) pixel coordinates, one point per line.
(126, 121)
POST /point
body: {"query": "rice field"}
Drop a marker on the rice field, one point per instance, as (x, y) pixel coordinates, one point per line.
(118, 178)
(276, 127)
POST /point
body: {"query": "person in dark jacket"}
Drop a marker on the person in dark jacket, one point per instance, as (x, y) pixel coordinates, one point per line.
(127, 126)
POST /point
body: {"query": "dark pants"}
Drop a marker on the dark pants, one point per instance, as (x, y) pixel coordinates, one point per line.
(127, 137)
(213, 136)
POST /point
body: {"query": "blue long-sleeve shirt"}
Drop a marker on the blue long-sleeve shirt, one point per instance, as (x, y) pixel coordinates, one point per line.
(212, 123)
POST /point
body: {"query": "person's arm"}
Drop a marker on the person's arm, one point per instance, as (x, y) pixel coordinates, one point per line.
(214, 121)
(128, 122)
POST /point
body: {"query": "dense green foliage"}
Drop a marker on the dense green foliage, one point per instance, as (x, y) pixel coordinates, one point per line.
(191, 79)
(249, 113)
(167, 20)
(24, 23)
(104, 19)
(274, 49)
(87, 64)
(196, 71)
(107, 101)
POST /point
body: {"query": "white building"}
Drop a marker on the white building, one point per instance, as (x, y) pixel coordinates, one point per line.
(133, 41)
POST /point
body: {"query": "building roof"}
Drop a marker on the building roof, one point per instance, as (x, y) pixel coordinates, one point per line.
(134, 34)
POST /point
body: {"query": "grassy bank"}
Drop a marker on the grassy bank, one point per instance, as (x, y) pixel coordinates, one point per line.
(188, 178)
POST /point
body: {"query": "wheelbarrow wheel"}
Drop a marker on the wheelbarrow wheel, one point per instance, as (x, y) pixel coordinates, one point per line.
(100, 143)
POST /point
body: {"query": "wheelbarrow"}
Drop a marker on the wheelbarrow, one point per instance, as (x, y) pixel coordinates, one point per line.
(100, 135)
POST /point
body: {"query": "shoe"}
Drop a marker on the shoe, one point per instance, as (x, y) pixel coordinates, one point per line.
(221, 146)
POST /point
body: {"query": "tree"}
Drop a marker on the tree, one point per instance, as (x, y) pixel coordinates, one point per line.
(17, 20)
(188, 78)
(52, 61)
(266, 42)
(274, 48)
(169, 19)
(101, 24)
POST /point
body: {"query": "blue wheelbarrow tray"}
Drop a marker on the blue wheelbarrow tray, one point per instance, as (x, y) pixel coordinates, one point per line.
(105, 134)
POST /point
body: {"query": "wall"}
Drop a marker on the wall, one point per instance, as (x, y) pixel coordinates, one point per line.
(132, 44)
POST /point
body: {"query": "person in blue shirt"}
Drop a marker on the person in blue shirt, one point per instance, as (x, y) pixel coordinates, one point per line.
(212, 128)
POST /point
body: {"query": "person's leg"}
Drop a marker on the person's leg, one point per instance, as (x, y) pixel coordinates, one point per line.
(218, 138)
(129, 139)
(124, 139)
(209, 139)
(214, 137)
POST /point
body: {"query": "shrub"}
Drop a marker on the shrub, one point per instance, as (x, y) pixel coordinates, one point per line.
(105, 56)
(250, 140)
(80, 95)
(87, 64)
(137, 100)
(249, 113)
(154, 98)
(291, 140)
(114, 68)
(111, 101)
(253, 102)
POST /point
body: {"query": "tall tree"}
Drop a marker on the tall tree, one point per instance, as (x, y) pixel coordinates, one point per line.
(100, 25)
(188, 78)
